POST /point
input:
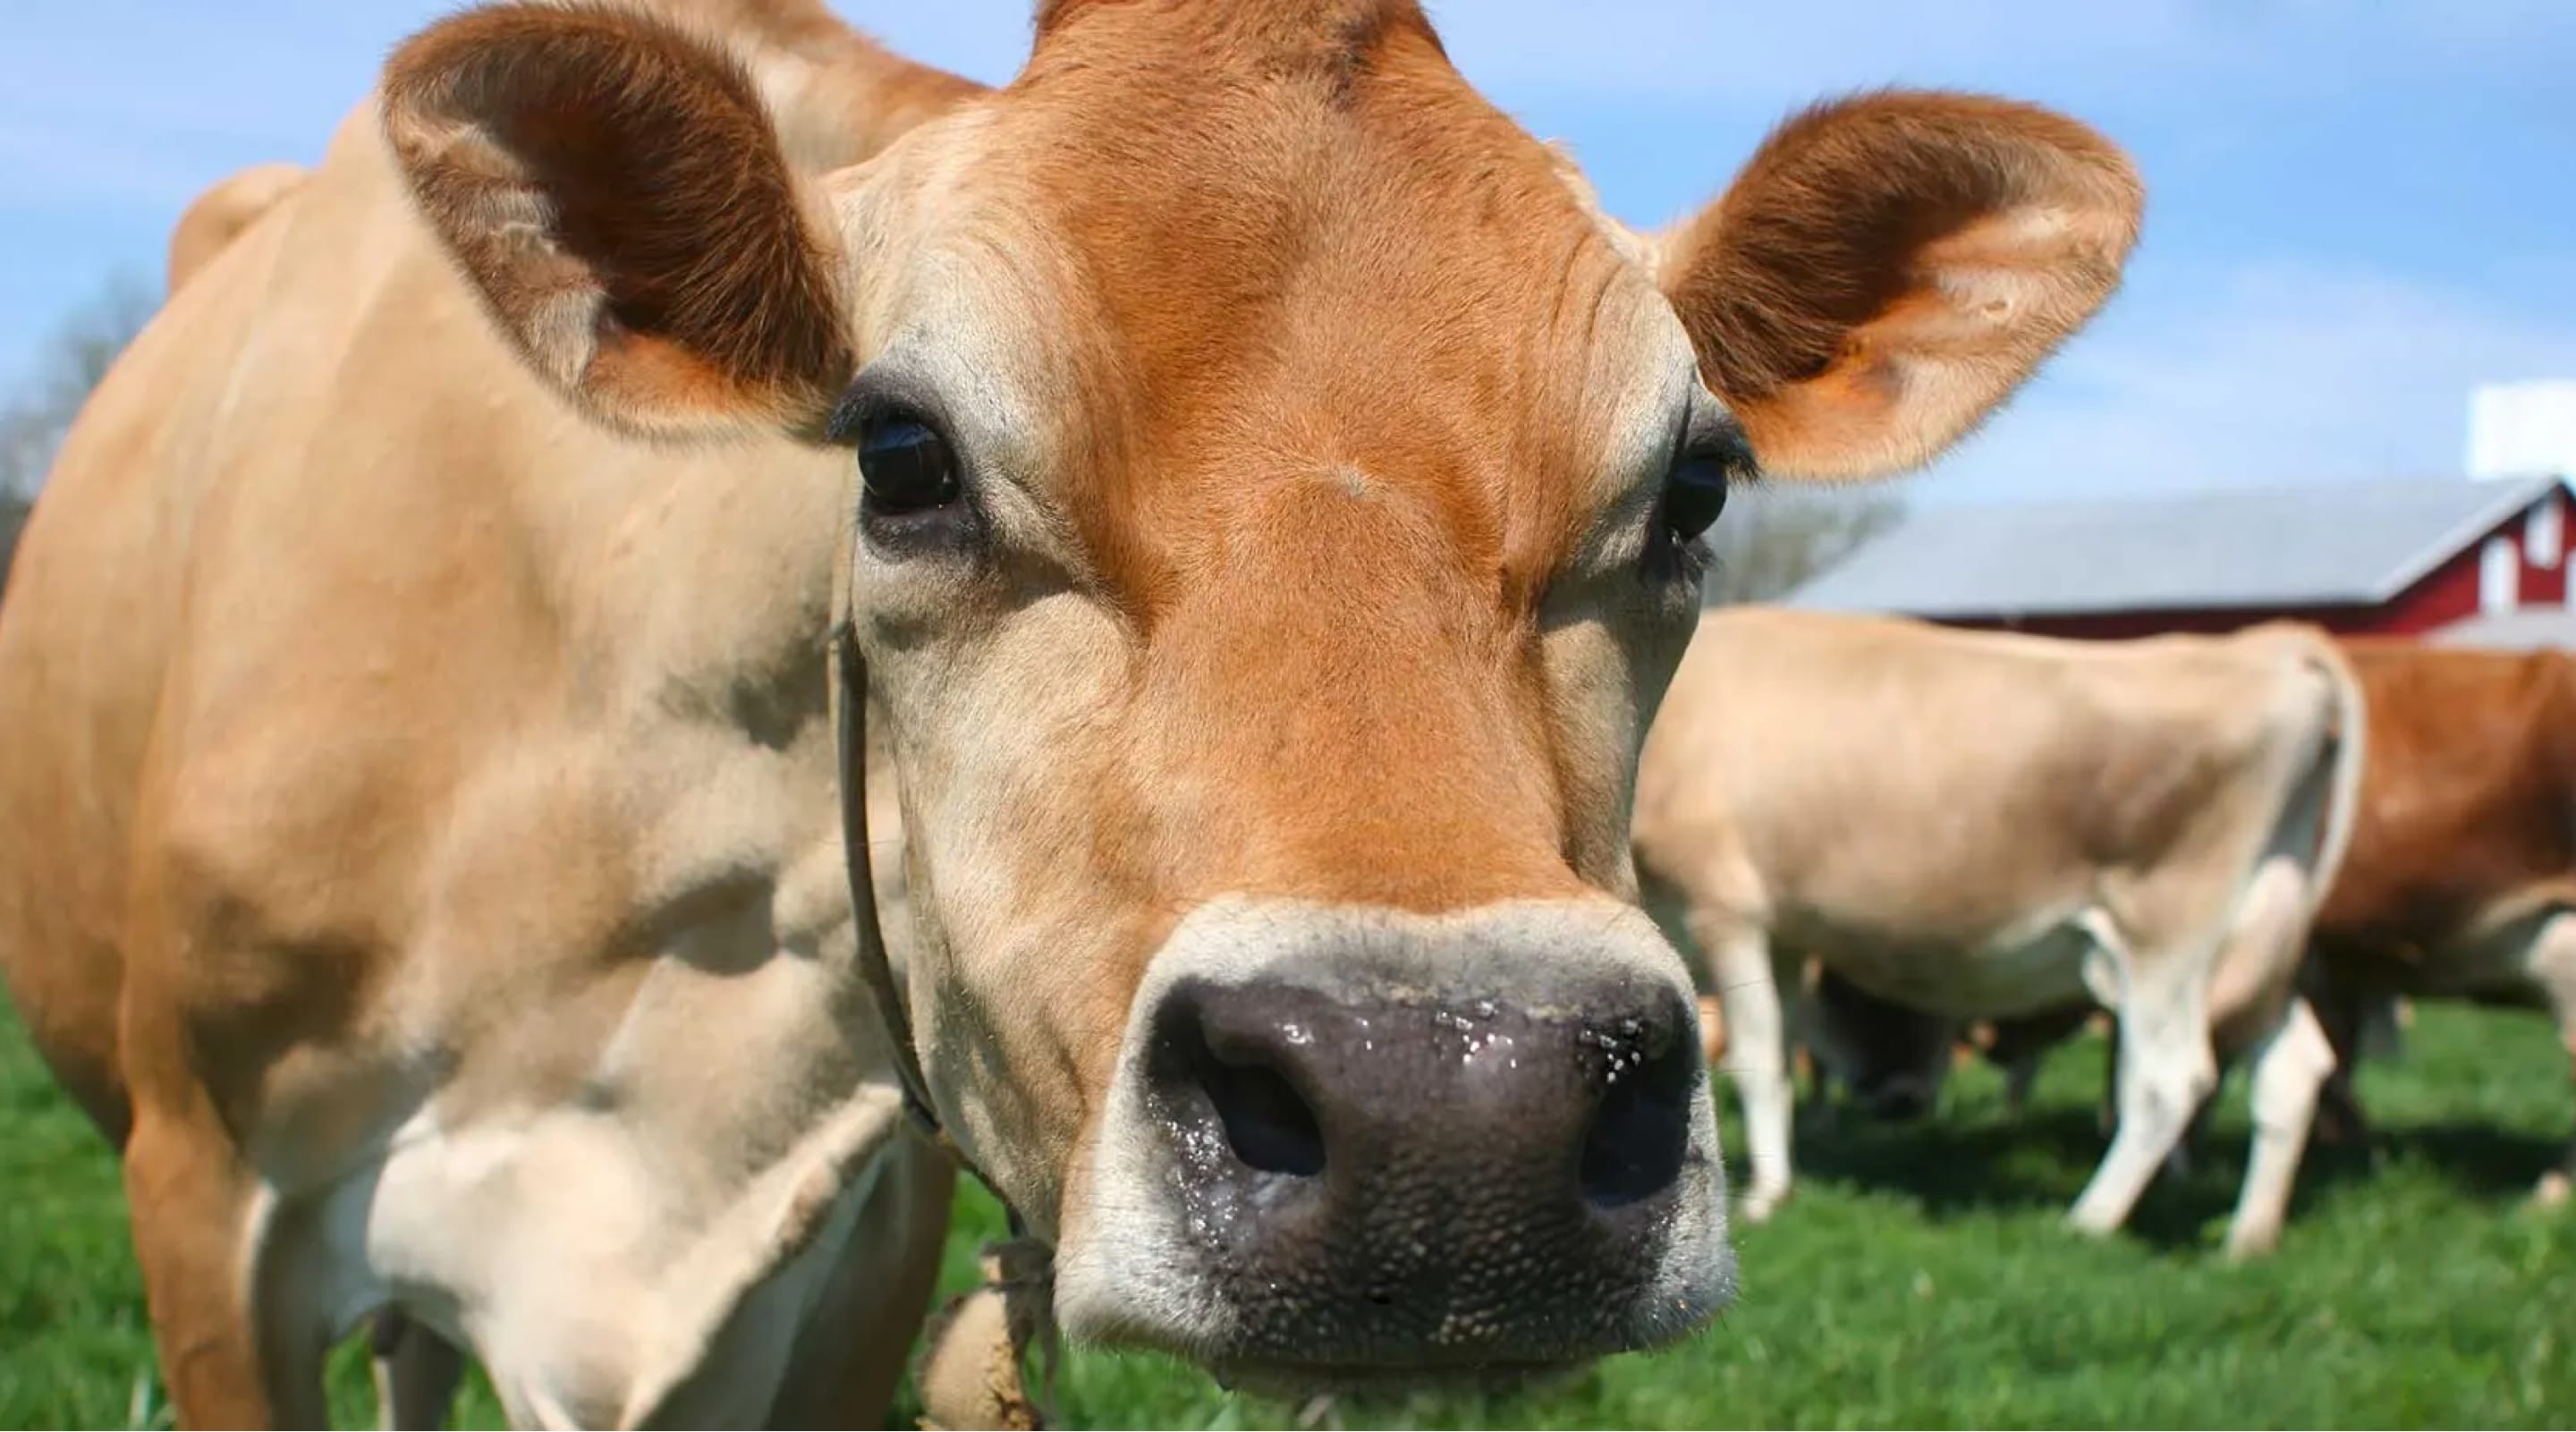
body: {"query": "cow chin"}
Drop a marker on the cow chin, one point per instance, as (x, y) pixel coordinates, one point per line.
(1361, 1150)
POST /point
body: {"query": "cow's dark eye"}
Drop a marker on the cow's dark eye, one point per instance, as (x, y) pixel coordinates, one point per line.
(905, 465)
(1695, 493)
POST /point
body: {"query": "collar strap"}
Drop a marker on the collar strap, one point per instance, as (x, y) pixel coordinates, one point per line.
(875, 960)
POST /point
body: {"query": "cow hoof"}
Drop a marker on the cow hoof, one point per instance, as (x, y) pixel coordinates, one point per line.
(2552, 1190)
(2090, 1224)
(2247, 1246)
(1758, 1207)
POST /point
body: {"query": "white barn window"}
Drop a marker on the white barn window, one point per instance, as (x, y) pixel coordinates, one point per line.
(2499, 575)
(2543, 537)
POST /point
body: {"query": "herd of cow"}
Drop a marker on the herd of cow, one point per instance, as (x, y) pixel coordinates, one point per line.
(701, 626)
(2246, 847)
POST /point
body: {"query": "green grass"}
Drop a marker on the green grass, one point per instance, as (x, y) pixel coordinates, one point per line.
(1921, 1278)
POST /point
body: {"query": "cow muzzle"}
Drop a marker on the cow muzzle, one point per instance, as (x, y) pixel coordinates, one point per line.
(1347, 1149)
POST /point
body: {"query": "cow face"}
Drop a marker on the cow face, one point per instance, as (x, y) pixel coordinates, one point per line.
(1276, 509)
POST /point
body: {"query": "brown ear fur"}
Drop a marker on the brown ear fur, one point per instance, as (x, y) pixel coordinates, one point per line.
(615, 191)
(1888, 268)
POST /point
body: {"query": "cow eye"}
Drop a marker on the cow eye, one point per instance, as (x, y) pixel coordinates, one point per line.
(905, 465)
(1695, 493)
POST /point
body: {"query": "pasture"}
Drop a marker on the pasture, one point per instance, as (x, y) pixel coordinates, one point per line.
(1920, 1278)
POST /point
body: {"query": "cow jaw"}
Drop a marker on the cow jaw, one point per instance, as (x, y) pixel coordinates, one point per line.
(1344, 1143)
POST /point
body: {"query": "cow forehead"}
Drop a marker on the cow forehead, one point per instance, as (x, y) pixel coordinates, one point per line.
(1251, 255)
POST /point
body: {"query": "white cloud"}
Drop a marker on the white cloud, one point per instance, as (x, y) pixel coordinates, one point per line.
(2265, 374)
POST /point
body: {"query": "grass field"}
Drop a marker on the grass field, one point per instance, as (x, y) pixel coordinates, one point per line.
(1920, 1279)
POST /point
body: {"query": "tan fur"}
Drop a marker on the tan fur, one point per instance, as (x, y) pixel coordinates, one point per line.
(1923, 809)
(216, 217)
(418, 821)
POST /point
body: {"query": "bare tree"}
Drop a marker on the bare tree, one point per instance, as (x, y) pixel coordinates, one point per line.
(1784, 537)
(33, 422)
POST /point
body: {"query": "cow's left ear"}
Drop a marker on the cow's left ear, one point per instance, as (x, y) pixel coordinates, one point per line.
(615, 191)
(1888, 268)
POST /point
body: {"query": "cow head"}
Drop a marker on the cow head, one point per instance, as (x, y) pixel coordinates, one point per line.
(1276, 508)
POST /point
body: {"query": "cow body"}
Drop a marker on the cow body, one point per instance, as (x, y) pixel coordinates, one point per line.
(1981, 826)
(419, 839)
(2461, 882)
(2461, 865)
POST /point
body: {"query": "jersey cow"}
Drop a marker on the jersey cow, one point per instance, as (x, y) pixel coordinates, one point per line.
(1263, 491)
(1978, 825)
(2458, 881)
(2462, 878)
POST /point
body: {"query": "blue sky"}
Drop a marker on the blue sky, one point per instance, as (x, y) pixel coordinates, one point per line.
(2357, 208)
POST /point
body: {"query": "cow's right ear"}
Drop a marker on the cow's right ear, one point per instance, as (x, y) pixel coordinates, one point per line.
(614, 190)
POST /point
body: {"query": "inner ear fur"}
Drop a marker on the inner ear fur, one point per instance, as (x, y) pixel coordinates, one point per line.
(615, 191)
(1888, 267)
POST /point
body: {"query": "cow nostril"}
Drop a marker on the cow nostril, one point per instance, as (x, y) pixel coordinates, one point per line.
(1267, 1123)
(1640, 1129)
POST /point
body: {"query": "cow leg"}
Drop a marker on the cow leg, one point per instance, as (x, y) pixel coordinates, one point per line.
(2165, 1070)
(1712, 1028)
(2021, 1075)
(416, 1371)
(1757, 1057)
(2553, 965)
(232, 1354)
(851, 1354)
(1812, 1085)
(2290, 1066)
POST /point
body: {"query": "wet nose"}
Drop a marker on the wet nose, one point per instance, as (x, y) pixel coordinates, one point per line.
(1402, 1177)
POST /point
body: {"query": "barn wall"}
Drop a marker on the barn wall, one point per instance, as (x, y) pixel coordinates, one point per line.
(2447, 594)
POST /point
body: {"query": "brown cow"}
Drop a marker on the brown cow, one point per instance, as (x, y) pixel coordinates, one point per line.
(2462, 878)
(1263, 491)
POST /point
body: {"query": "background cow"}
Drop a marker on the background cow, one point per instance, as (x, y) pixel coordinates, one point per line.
(419, 842)
(2462, 878)
(2461, 866)
(1984, 825)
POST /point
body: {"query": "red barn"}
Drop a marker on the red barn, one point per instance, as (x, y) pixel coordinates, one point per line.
(2415, 557)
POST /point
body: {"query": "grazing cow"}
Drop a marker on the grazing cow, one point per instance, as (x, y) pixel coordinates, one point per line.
(1893, 1059)
(1981, 825)
(1265, 494)
(2462, 878)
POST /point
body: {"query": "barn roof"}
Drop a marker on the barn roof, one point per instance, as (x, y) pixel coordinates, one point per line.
(2527, 629)
(2315, 545)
